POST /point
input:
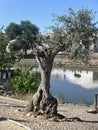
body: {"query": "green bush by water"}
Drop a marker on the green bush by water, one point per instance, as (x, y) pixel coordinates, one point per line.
(25, 82)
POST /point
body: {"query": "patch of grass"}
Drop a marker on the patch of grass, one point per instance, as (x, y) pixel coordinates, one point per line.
(23, 96)
(81, 101)
(48, 116)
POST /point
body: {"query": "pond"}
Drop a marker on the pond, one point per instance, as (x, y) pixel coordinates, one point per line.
(73, 86)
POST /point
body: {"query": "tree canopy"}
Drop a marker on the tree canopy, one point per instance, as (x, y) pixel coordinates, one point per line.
(81, 31)
(24, 33)
(74, 33)
(13, 30)
(5, 58)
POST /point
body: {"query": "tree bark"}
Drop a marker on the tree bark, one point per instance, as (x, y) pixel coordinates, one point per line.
(42, 100)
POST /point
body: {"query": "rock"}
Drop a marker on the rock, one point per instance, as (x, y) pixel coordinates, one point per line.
(29, 114)
(1, 92)
(1, 87)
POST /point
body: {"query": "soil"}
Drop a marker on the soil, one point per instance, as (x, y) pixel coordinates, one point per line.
(77, 116)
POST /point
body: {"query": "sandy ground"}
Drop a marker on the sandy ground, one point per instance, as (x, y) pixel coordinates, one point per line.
(6, 124)
(77, 117)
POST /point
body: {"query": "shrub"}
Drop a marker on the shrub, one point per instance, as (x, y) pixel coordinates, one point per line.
(25, 82)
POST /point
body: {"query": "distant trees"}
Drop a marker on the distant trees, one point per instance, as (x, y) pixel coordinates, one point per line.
(29, 33)
(15, 38)
(13, 30)
(4, 57)
(25, 33)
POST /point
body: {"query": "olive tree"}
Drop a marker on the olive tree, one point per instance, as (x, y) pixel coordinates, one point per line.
(72, 33)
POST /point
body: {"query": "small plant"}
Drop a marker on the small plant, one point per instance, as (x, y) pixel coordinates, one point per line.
(24, 82)
(48, 116)
(82, 101)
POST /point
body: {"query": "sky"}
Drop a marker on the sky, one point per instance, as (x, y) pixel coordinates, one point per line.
(39, 12)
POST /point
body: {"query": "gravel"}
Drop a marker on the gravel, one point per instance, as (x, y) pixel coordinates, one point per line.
(77, 116)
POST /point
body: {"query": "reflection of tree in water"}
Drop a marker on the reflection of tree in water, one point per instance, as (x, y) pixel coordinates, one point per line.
(95, 76)
(4, 74)
(77, 74)
(58, 76)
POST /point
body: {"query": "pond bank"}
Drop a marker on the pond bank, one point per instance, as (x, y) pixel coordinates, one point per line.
(63, 62)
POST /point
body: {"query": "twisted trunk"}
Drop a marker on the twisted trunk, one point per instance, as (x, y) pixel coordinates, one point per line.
(42, 99)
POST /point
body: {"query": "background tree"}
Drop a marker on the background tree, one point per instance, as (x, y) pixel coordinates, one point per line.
(25, 35)
(5, 57)
(13, 30)
(72, 33)
(29, 32)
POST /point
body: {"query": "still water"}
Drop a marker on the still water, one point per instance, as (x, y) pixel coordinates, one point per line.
(74, 89)
(73, 86)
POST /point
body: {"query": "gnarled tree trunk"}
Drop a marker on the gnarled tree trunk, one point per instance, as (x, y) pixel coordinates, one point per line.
(42, 99)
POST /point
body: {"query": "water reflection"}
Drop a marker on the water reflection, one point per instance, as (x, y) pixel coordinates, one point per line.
(86, 80)
(72, 88)
(95, 77)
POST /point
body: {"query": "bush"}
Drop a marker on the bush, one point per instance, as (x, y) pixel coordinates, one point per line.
(25, 82)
